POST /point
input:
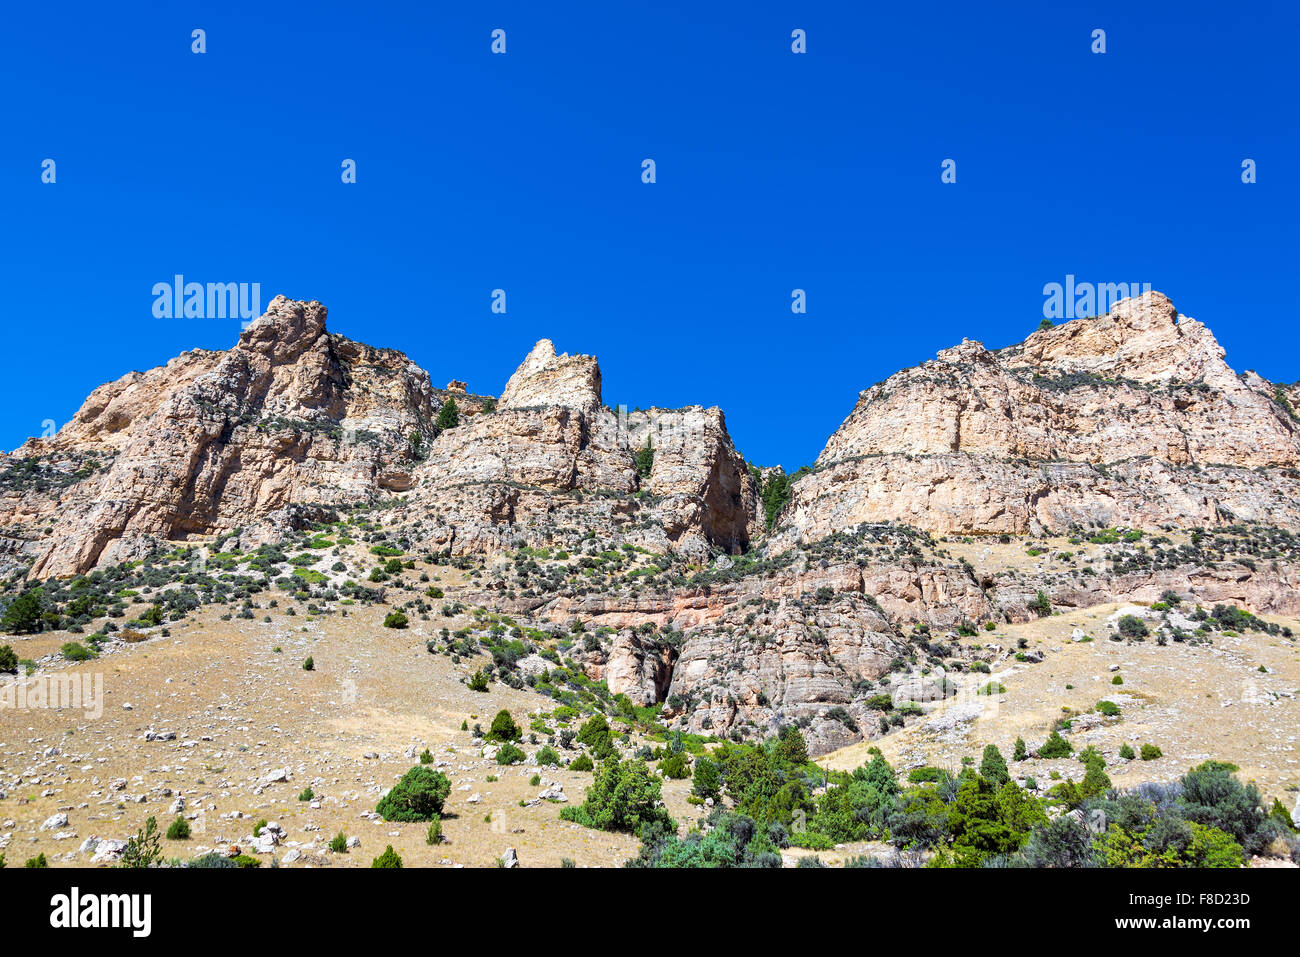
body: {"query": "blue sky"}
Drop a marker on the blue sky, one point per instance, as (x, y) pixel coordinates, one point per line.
(775, 171)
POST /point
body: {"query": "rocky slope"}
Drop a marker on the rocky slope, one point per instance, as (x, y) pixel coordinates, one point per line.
(565, 521)
(1133, 418)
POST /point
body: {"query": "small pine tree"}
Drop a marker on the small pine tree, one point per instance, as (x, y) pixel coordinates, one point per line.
(1095, 780)
(707, 781)
(504, 728)
(993, 768)
(389, 858)
(178, 830)
(1021, 751)
(143, 849)
(448, 416)
(645, 460)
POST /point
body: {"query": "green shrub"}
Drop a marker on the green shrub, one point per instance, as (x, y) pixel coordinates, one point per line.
(24, 614)
(925, 775)
(509, 753)
(1055, 747)
(307, 795)
(547, 755)
(434, 835)
(8, 660)
(1130, 626)
(75, 651)
(395, 619)
(623, 797)
(1117, 680)
(1150, 752)
(309, 664)
(581, 763)
(675, 766)
(1021, 751)
(389, 858)
(339, 843)
(1126, 752)
(504, 728)
(707, 779)
(1108, 708)
(426, 756)
(418, 796)
(178, 830)
(478, 681)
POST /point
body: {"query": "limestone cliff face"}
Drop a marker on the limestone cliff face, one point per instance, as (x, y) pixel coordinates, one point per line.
(290, 415)
(294, 417)
(553, 463)
(1131, 418)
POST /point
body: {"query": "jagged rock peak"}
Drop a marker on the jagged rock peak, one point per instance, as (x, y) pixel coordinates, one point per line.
(287, 329)
(545, 378)
(1142, 338)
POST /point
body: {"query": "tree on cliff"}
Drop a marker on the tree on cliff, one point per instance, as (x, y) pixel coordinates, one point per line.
(645, 460)
(448, 416)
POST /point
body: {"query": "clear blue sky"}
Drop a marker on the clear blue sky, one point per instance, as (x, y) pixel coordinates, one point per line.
(775, 171)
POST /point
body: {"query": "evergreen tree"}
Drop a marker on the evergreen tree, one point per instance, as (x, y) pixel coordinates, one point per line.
(707, 781)
(448, 416)
(994, 767)
(23, 616)
(776, 492)
(645, 459)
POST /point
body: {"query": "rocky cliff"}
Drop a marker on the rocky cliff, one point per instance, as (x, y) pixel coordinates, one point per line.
(295, 420)
(1133, 418)
(645, 528)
